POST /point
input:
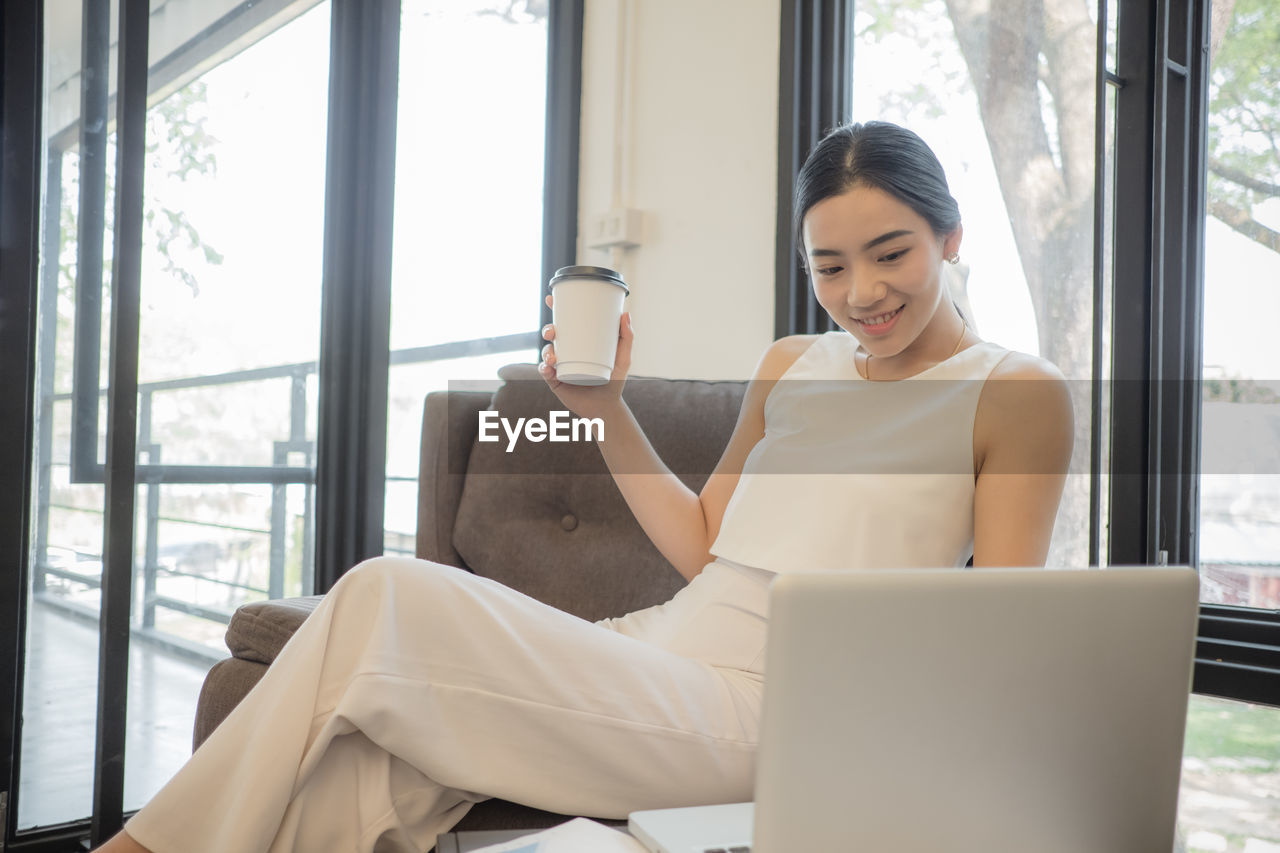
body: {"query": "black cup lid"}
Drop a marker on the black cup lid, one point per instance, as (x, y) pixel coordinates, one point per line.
(589, 272)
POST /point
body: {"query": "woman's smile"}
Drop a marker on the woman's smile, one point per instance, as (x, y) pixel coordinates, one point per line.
(881, 324)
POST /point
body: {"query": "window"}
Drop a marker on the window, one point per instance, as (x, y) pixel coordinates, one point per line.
(468, 231)
(1238, 537)
(242, 232)
(226, 407)
(1239, 541)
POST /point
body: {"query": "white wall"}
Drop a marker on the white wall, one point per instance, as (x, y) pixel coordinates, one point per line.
(684, 128)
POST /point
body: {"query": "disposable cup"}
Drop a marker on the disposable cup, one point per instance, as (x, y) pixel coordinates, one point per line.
(586, 307)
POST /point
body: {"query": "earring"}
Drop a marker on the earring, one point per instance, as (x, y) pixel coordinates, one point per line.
(953, 258)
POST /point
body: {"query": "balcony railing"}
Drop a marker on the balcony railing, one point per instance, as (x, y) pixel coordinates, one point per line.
(228, 556)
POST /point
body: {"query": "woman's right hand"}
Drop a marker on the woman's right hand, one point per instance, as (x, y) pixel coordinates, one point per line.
(589, 401)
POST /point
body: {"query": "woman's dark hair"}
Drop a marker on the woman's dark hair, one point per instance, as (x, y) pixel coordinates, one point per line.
(881, 155)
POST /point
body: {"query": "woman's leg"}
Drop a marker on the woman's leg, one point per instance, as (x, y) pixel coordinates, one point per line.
(415, 690)
(121, 842)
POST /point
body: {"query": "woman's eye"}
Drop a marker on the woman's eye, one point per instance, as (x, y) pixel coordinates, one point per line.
(828, 270)
(893, 256)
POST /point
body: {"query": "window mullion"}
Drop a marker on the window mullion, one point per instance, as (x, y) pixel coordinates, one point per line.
(560, 178)
(355, 320)
(122, 420)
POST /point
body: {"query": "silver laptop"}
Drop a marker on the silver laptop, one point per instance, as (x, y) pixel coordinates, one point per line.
(963, 711)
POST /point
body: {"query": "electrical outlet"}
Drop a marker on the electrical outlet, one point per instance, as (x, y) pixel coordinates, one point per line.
(619, 227)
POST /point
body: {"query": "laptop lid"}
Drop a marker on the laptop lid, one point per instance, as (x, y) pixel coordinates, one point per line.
(990, 710)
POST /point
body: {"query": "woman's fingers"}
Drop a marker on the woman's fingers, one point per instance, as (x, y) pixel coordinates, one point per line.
(546, 367)
(622, 361)
(622, 357)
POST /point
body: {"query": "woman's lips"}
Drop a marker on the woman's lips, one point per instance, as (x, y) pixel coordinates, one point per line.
(881, 324)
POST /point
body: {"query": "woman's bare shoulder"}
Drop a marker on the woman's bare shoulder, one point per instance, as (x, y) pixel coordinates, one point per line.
(1025, 415)
(1021, 365)
(1024, 384)
(783, 353)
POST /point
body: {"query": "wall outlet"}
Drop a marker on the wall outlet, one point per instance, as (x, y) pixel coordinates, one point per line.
(619, 227)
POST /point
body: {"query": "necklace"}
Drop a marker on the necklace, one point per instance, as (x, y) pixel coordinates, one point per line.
(964, 329)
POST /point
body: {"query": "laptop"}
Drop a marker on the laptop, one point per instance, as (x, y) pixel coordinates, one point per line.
(963, 711)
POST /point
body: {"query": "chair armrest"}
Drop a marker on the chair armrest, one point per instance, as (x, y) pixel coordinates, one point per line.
(259, 629)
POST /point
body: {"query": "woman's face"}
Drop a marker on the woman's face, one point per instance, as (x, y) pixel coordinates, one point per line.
(876, 267)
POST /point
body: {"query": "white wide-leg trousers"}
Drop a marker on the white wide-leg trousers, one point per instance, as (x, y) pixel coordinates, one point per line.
(415, 690)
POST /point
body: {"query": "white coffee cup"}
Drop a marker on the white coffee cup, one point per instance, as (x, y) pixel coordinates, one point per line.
(586, 307)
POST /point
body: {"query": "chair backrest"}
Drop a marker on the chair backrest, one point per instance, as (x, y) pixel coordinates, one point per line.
(546, 518)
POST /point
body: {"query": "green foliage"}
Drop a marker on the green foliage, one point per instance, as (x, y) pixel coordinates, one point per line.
(921, 26)
(1237, 390)
(177, 124)
(881, 18)
(1244, 99)
(1244, 107)
(177, 140)
(177, 137)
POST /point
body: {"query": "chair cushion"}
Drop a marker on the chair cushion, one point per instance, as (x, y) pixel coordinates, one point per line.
(259, 629)
(547, 519)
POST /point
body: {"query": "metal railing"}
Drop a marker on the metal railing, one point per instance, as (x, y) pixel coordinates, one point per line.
(293, 464)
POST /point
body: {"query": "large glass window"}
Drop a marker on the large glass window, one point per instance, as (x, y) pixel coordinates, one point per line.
(56, 775)
(1231, 767)
(1008, 105)
(236, 100)
(1239, 544)
(467, 260)
(227, 399)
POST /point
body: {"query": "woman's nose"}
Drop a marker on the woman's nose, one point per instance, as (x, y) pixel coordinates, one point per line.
(865, 290)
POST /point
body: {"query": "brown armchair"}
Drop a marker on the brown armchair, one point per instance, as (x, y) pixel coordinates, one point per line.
(545, 519)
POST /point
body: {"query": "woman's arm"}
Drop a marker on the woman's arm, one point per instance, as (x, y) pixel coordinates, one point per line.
(1023, 434)
(680, 523)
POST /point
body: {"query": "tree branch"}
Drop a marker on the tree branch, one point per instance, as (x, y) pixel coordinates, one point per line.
(1244, 179)
(1242, 223)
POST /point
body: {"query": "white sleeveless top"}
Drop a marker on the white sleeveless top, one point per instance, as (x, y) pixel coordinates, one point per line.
(853, 474)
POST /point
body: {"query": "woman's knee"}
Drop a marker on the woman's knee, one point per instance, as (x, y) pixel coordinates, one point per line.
(379, 599)
(389, 577)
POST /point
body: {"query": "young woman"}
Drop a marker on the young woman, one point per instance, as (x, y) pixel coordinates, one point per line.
(415, 689)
